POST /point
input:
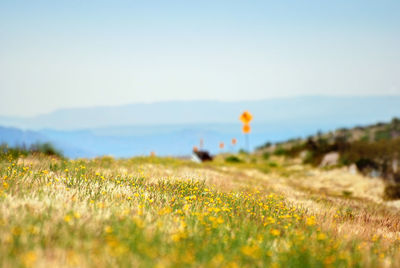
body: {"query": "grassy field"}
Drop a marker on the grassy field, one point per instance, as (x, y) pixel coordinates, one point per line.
(161, 212)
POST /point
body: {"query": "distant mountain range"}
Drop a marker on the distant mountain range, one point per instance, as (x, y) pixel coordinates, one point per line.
(173, 128)
(340, 110)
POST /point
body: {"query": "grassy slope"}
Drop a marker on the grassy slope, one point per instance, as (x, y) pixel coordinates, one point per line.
(375, 132)
(167, 212)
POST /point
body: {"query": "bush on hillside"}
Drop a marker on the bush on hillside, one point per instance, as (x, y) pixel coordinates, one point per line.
(46, 149)
(392, 191)
(233, 159)
(266, 155)
(281, 152)
(22, 150)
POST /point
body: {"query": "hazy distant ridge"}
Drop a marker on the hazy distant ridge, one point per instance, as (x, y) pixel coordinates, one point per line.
(314, 110)
(173, 128)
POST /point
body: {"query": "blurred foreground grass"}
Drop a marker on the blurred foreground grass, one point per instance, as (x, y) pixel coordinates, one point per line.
(160, 212)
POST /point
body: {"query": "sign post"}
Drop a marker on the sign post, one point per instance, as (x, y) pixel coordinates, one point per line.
(246, 117)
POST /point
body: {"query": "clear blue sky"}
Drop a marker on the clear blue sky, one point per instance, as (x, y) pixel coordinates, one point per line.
(57, 54)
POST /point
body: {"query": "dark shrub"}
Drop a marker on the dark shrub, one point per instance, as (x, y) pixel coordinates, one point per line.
(280, 151)
(233, 159)
(396, 177)
(366, 163)
(272, 164)
(46, 148)
(266, 155)
(382, 135)
(22, 150)
(392, 191)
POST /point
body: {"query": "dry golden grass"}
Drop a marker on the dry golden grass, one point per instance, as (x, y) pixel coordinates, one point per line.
(84, 213)
(352, 205)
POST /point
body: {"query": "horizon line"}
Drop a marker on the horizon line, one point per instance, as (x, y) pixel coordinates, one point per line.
(199, 100)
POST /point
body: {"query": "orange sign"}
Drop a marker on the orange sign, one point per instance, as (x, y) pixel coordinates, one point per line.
(246, 128)
(246, 117)
(221, 145)
(234, 141)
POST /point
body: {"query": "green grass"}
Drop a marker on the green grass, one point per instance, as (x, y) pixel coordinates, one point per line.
(107, 212)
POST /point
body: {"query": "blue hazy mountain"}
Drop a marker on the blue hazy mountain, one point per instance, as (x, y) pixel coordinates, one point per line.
(173, 128)
(314, 109)
(16, 137)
